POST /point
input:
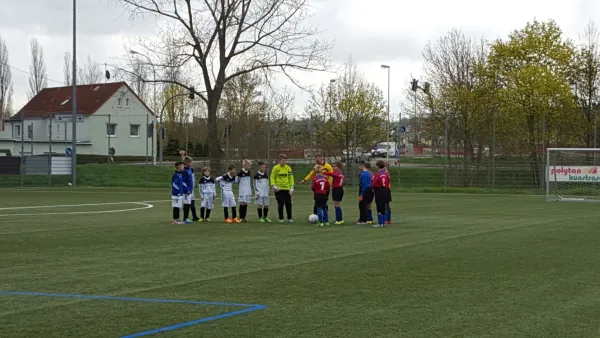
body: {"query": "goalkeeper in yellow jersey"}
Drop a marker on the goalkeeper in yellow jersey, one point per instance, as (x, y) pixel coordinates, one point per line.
(325, 167)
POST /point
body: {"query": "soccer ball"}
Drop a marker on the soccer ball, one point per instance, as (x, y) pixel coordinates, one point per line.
(313, 219)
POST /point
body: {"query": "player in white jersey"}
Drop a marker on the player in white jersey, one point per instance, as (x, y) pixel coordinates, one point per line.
(227, 198)
(263, 187)
(245, 188)
(208, 194)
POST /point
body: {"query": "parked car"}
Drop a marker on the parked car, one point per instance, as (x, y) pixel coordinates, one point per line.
(382, 149)
(355, 155)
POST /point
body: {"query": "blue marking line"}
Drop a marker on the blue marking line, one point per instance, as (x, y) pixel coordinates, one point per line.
(247, 308)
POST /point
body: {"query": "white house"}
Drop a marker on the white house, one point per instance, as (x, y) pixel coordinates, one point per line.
(111, 118)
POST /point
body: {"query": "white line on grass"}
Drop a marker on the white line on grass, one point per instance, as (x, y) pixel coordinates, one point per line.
(143, 207)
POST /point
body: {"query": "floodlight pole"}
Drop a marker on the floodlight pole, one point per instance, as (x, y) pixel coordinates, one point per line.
(74, 101)
(387, 153)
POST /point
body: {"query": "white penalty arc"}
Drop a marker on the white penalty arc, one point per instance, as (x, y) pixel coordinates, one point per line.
(142, 206)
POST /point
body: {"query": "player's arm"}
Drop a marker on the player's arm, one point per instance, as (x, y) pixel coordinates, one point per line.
(310, 176)
(274, 173)
(328, 173)
(291, 179)
(365, 184)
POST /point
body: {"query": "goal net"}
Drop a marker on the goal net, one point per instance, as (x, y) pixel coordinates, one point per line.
(572, 174)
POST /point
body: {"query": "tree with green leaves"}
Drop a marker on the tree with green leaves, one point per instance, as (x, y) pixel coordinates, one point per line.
(532, 68)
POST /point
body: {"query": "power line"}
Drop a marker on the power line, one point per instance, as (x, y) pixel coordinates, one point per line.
(28, 73)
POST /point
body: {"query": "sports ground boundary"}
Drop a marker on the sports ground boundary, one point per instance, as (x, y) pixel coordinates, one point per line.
(246, 308)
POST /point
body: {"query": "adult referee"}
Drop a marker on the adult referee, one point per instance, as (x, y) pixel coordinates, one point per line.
(325, 167)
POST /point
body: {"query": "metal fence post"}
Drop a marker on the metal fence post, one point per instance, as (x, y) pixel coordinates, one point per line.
(146, 140)
(108, 150)
(50, 152)
(22, 149)
(447, 152)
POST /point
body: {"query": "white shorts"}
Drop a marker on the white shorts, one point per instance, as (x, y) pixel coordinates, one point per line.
(264, 201)
(187, 199)
(177, 201)
(245, 199)
(208, 201)
(228, 199)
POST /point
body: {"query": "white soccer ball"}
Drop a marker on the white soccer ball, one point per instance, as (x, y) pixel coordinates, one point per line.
(313, 219)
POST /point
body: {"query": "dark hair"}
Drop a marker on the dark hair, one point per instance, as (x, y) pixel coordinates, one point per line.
(362, 163)
(339, 165)
(368, 165)
(231, 167)
(178, 163)
(282, 156)
(318, 155)
(261, 163)
(380, 164)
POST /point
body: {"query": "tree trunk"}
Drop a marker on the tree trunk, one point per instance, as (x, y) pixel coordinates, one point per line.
(214, 144)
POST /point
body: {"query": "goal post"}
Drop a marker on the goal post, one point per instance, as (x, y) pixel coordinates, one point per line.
(573, 174)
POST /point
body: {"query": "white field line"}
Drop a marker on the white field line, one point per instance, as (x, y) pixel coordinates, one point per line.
(143, 207)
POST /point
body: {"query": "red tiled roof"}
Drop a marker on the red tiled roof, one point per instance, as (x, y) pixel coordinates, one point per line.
(89, 99)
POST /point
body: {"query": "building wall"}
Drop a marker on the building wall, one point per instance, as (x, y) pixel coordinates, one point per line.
(92, 138)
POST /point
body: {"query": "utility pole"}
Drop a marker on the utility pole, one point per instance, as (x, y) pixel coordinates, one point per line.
(387, 153)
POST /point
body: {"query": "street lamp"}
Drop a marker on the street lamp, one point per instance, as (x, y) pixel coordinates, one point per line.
(387, 153)
(414, 86)
(133, 52)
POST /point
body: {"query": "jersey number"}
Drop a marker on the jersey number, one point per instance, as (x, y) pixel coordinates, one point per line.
(383, 181)
(322, 186)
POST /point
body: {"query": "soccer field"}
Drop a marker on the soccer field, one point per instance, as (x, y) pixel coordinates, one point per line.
(108, 263)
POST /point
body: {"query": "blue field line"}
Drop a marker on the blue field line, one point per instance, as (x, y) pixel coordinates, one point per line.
(247, 307)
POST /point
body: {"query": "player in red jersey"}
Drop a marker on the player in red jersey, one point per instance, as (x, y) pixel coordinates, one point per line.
(320, 186)
(337, 192)
(381, 189)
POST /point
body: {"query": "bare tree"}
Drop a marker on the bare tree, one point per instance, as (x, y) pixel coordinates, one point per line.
(587, 80)
(6, 87)
(91, 73)
(219, 40)
(67, 78)
(38, 78)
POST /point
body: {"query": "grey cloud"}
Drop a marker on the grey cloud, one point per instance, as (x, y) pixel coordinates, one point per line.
(53, 18)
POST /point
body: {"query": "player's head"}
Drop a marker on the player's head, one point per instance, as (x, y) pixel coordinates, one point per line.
(231, 169)
(368, 166)
(261, 166)
(188, 161)
(318, 169)
(361, 164)
(282, 159)
(380, 164)
(319, 158)
(206, 171)
(247, 164)
(179, 165)
(338, 165)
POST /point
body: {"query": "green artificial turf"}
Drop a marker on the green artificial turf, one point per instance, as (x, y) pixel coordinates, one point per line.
(450, 266)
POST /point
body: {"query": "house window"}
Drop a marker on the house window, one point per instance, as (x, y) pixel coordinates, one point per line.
(127, 102)
(134, 130)
(30, 131)
(119, 102)
(111, 129)
(57, 130)
(17, 130)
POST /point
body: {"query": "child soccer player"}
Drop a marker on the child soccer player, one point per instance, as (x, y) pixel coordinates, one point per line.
(261, 184)
(245, 188)
(189, 182)
(320, 186)
(365, 193)
(208, 194)
(388, 211)
(282, 182)
(337, 193)
(177, 192)
(227, 198)
(381, 188)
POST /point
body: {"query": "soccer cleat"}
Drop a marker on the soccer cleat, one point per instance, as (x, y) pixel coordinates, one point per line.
(200, 220)
(321, 224)
(290, 221)
(338, 222)
(262, 220)
(280, 221)
(369, 222)
(267, 219)
(207, 220)
(388, 222)
(228, 220)
(177, 221)
(236, 220)
(360, 223)
(243, 220)
(326, 224)
(196, 219)
(187, 221)
(377, 225)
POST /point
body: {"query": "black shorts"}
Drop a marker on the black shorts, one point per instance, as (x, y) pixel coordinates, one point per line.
(321, 200)
(337, 194)
(368, 197)
(383, 195)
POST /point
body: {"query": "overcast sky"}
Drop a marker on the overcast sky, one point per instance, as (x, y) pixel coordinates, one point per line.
(373, 32)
